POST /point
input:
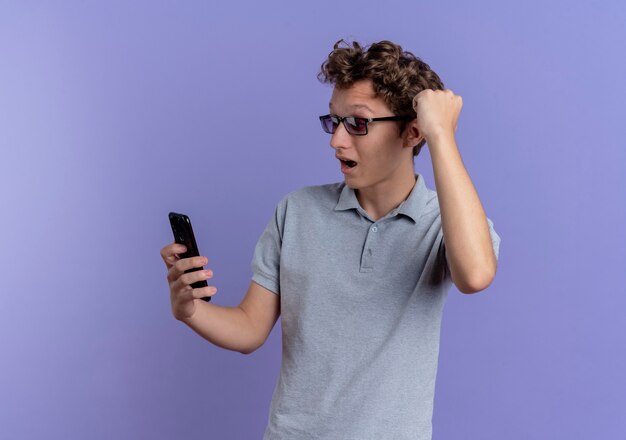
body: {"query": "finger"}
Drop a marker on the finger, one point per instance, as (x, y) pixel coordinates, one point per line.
(173, 274)
(172, 249)
(170, 253)
(204, 291)
(170, 260)
(198, 275)
(179, 288)
(181, 265)
(184, 264)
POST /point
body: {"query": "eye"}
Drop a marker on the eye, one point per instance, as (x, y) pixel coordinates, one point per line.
(360, 123)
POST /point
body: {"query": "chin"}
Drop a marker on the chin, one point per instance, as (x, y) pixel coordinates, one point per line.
(350, 183)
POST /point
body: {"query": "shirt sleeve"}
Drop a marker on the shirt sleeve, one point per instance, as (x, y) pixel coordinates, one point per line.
(266, 260)
(495, 238)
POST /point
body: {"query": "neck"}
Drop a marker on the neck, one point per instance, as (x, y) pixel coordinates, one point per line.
(384, 196)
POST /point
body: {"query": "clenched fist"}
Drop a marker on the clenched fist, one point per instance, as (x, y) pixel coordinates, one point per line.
(437, 112)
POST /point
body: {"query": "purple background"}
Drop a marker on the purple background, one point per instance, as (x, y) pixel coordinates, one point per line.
(114, 114)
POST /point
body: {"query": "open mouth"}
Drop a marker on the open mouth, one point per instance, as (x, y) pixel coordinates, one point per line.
(349, 163)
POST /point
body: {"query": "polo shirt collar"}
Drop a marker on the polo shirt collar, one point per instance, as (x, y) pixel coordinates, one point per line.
(411, 206)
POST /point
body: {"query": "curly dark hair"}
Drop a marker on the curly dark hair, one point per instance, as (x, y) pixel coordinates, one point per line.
(397, 75)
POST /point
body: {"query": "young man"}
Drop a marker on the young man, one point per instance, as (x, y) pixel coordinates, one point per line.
(359, 270)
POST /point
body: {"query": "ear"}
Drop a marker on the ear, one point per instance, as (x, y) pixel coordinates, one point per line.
(412, 135)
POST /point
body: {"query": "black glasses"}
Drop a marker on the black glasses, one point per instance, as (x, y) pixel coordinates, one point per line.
(354, 125)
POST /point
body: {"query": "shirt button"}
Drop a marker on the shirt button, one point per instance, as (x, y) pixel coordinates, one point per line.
(374, 229)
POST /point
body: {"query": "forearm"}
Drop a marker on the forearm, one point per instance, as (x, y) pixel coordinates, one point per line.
(468, 243)
(226, 327)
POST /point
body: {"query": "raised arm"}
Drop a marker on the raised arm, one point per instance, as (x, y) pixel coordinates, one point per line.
(469, 249)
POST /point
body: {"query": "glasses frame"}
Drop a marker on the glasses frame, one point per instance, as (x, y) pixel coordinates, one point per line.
(338, 119)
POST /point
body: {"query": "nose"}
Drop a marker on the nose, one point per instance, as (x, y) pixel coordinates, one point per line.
(340, 138)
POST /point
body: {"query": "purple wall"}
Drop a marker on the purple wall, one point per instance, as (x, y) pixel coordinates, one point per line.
(114, 114)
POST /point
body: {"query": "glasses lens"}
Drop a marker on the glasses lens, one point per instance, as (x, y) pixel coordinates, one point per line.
(328, 125)
(356, 125)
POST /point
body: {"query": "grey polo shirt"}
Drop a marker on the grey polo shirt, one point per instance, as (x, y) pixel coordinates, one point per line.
(361, 305)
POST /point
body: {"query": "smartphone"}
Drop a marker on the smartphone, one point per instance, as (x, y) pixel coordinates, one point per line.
(183, 234)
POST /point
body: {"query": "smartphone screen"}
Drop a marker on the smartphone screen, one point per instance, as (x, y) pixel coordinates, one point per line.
(183, 234)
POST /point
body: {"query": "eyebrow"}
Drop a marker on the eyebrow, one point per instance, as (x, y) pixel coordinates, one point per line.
(330, 105)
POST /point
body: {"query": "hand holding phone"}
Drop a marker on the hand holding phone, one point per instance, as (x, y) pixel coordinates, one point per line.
(183, 234)
(186, 276)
